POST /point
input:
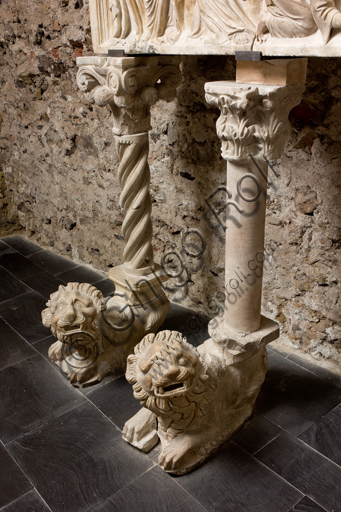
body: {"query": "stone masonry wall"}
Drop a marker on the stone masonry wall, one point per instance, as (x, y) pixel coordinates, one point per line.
(58, 175)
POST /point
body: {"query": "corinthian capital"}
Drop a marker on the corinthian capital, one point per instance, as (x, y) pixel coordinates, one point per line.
(253, 118)
(129, 85)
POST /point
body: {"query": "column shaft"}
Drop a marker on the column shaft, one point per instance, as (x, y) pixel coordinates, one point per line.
(253, 127)
(134, 175)
(130, 86)
(244, 246)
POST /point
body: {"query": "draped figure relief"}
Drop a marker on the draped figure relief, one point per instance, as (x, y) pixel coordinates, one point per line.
(127, 16)
(220, 20)
(163, 19)
(299, 18)
(183, 25)
(147, 19)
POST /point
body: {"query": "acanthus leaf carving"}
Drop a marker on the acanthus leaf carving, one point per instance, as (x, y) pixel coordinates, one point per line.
(253, 120)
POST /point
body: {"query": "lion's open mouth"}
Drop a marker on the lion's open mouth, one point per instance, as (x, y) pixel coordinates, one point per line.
(70, 328)
(177, 388)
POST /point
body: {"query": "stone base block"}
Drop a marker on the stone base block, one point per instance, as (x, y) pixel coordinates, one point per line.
(241, 345)
(138, 286)
(272, 72)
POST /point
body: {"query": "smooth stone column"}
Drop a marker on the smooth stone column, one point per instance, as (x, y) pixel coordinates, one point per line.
(253, 127)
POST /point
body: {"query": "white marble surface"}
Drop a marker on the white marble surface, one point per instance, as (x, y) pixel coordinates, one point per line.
(275, 27)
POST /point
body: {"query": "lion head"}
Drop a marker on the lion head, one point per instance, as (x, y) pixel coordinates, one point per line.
(74, 307)
(170, 379)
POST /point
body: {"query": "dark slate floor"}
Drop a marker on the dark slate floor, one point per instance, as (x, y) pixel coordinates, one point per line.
(61, 448)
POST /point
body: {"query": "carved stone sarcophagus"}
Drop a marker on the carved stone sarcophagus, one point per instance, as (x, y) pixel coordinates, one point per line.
(274, 27)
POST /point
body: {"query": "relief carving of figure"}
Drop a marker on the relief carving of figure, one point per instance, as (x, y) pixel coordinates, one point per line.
(221, 21)
(163, 19)
(127, 17)
(299, 18)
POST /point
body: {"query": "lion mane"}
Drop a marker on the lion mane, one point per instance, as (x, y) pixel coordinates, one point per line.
(178, 412)
(82, 288)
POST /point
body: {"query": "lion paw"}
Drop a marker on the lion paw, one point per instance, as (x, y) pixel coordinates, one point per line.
(56, 352)
(173, 455)
(140, 430)
(181, 454)
(81, 377)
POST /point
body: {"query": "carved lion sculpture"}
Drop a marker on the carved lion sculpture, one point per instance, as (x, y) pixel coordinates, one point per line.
(95, 335)
(199, 397)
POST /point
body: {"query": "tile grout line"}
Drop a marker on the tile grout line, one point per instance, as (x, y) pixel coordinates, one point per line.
(319, 453)
(332, 374)
(272, 471)
(20, 335)
(13, 298)
(19, 497)
(118, 490)
(190, 495)
(266, 467)
(25, 240)
(32, 262)
(266, 444)
(154, 464)
(296, 439)
(19, 279)
(294, 487)
(42, 499)
(44, 423)
(23, 472)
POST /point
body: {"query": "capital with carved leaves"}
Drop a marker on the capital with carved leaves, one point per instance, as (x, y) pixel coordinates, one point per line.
(129, 85)
(111, 327)
(253, 119)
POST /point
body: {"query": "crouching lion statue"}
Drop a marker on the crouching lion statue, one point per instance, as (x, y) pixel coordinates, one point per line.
(193, 399)
(95, 335)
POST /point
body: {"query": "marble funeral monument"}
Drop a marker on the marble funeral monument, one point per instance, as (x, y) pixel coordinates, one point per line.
(192, 399)
(274, 27)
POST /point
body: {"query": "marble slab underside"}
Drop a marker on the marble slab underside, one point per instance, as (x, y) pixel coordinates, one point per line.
(274, 27)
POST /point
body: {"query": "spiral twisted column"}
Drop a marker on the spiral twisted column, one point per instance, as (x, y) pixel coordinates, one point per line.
(130, 85)
(134, 175)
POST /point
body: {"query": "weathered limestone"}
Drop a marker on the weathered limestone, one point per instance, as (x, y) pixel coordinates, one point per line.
(253, 127)
(95, 335)
(272, 72)
(130, 85)
(198, 396)
(217, 26)
(92, 343)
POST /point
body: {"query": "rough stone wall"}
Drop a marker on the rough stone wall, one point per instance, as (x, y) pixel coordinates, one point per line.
(58, 175)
